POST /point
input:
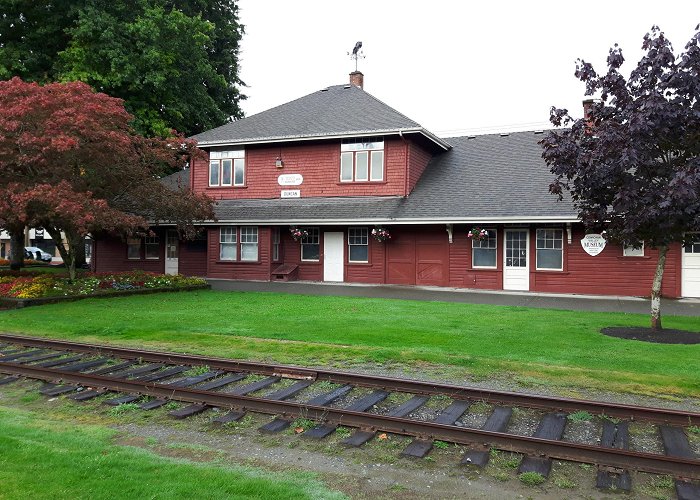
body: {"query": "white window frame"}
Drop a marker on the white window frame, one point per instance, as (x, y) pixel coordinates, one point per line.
(478, 244)
(234, 161)
(152, 241)
(248, 238)
(234, 236)
(546, 247)
(276, 240)
(368, 148)
(364, 241)
(228, 237)
(630, 251)
(133, 243)
(314, 235)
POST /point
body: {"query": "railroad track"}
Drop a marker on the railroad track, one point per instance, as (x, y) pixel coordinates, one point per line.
(85, 371)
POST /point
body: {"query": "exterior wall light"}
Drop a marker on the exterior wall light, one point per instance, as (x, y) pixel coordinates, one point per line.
(279, 163)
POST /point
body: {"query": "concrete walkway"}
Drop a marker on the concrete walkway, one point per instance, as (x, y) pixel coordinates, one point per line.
(599, 303)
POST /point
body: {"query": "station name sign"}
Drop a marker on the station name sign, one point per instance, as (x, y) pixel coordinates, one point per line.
(593, 244)
(290, 193)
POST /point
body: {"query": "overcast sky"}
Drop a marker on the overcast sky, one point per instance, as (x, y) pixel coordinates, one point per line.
(455, 67)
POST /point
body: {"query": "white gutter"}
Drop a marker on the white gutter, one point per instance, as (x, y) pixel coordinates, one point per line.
(393, 222)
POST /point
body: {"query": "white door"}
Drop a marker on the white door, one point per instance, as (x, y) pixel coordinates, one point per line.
(171, 252)
(333, 260)
(690, 274)
(516, 271)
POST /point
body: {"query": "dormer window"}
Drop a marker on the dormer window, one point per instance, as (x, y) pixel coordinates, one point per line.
(362, 160)
(227, 168)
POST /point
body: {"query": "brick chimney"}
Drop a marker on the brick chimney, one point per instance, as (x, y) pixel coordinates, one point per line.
(357, 79)
(587, 105)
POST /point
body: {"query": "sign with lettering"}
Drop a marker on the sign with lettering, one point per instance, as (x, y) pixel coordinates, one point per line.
(290, 180)
(593, 244)
(291, 193)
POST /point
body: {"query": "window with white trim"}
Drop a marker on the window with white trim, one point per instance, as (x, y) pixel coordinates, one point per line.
(133, 248)
(630, 251)
(484, 250)
(311, 244)
(550, 249)
(228, 243)
(249, 243)
(362, 160)
(276, 244)
(238, 243)
(358, 244)
(152, 247)
(227, 168)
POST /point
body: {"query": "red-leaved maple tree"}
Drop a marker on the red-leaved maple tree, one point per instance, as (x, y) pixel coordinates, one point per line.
(70, 161)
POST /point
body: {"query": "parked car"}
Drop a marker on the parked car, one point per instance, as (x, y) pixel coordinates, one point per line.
(38, 254)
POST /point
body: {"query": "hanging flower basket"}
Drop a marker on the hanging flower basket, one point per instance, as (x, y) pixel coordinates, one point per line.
(477, 234)
(380, 234)
(297, 233)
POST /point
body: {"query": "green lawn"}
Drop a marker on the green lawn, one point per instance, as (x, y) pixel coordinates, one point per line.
(45, 459)
(529, 345)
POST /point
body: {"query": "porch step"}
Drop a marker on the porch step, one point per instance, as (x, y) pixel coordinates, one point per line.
(285, 272)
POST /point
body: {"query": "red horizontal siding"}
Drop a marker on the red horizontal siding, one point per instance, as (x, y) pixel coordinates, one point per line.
(317, 162)
(418, 160)
(608, 273)
(110, 257)
(259, 270)
(373, 271)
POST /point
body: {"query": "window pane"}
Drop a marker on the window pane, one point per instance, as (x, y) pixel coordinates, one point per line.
(633, 251)
(358, 248)
(228, 251)
(549, 259)
(133, 248)
(238, 172)
(377, 172)
(310, 247)
(152, 248)
(228, 235)
(249, 251)
(226, 172)
(249, 234)
(213, 173)
(359, 253)
(276, 244)
(361, 159)
(484, 257)
(346, 167)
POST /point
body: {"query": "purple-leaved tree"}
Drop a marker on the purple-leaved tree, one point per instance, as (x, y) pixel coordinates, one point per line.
(632, 164)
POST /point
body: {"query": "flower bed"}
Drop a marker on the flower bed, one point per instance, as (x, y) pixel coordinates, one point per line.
(44, 287)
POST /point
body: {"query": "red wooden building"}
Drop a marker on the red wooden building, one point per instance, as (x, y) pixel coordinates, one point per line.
(338, 164)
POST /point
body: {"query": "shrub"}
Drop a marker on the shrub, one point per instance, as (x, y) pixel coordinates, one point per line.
(26, 285)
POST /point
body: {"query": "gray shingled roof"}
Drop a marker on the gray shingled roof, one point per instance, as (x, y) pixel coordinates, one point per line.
(300, 210)
(177, 180)
(484, 178)
(487, 176)
(340, 110)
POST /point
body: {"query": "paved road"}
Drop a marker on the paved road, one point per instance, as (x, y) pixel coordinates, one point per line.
(601, 303)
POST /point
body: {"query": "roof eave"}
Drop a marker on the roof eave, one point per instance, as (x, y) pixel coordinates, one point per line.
(345, 135)
(398, 222)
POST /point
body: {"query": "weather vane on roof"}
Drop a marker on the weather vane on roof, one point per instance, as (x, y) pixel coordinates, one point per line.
(357, 53)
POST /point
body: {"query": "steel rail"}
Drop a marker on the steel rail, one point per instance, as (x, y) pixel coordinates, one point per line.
(568, 405)
(608, 457)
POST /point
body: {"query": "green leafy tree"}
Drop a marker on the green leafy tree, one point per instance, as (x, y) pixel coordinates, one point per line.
(175, 64)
